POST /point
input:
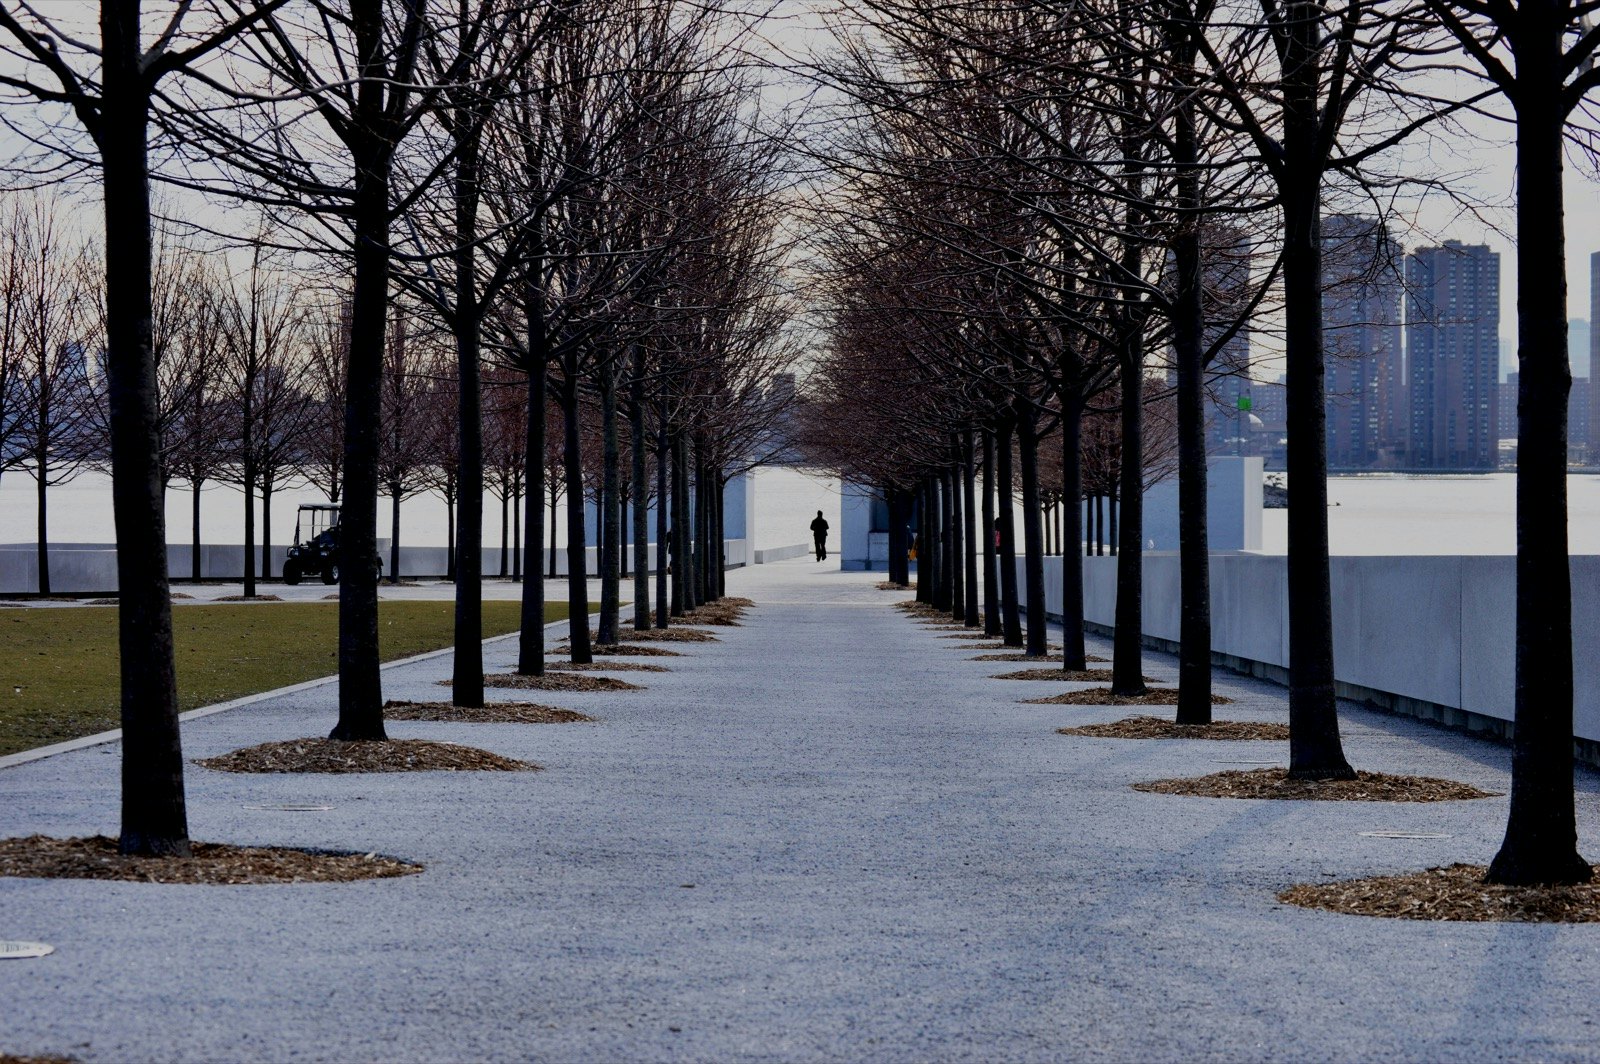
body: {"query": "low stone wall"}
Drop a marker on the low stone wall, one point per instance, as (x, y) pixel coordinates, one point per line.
(779, 554)
(91, 568)
(1431, 637)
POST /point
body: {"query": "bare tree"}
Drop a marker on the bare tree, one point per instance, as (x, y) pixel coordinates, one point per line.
(110, 89)
(55, 391)
(1542, 58)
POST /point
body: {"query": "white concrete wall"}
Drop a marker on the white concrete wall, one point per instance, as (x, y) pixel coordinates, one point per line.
(92, 567)
(855, 528)
(1433, 629)
(1233, 507)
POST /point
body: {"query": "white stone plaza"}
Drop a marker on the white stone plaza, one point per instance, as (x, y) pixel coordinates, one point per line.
(829, 835)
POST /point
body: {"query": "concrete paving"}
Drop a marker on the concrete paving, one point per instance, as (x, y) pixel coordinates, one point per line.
(827, 836)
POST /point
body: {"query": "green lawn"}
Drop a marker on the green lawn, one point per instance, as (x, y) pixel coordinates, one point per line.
(58, 667)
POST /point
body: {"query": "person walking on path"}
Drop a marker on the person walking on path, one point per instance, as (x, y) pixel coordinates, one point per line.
(819, 536)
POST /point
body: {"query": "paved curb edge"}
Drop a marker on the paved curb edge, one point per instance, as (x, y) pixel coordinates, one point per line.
(115, 735)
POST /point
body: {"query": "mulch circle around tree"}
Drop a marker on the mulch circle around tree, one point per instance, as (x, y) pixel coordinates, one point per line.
(1275, 783)
(635, 650)
(724, 611)
(1456, 892)
(249, 598)
(211, 863)
(889, 585)
(1058, 675)
(9, 1058)
(1103, 696)
(662, 635)
(554, 681)
(381, 755)
(1014, 655)
(603, 666)
(1159, 728)
(496, 713)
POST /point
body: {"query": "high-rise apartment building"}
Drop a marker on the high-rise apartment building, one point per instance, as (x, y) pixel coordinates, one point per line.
(1452, 355)
(1368, 408)
(1227, 251)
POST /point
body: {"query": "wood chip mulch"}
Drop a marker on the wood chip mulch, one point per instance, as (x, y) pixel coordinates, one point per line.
(8, 1058)
(555, 681)
(248, 598)
(1159, 728)
(662, 635)
(496, 713)
(1058, 675)
(1456, 892)
(725, 611)
(633, 650)
(603, 666)
(888, 585)
(1275, 783)
(384, 755)
(1102, 696)
(41, 857)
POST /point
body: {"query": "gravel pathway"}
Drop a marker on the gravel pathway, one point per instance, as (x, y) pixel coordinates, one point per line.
(826, 836)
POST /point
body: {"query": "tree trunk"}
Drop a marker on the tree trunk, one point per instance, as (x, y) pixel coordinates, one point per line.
(466, 550)
(154, 821)
(194, 555)
(991, 560)
(958, 524)
(450, 539)
(683, 561)
(898, 565)
(641, 496)
(719, 534)
(249, 474)
(555, 496)
(505, 529)
(611, 513)
(927, 579)
(41, 483)
(577, 537)
(663, 522)
(1540, 843)
(360, 682)
(1011, 622)
(394, 534)
(530, 642)
(1033, 534)
(1315, 751)
(940, 522)
(1188, 348)
(1073, 653)
(1127, 666)
(266, 527)
(516, 531)
(969, 554)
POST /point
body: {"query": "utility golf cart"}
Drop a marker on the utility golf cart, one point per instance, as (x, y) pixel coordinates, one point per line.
(318, 552)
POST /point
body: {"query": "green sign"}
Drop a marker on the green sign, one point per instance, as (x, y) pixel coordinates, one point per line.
(1244, 402)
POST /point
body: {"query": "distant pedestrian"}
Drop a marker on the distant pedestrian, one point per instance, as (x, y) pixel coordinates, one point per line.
(819, 536)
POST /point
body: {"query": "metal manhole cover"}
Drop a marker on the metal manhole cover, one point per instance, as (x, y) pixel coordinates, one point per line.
(20, 950)
(290, 807)
(1402, 835)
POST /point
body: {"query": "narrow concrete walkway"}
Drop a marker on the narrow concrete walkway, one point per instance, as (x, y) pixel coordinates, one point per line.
(828, 835)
